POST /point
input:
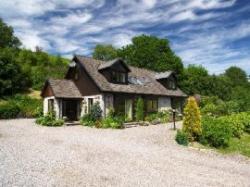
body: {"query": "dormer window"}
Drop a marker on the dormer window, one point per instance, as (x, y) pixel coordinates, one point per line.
(167, 79)
(118, 77)
(172, 84)
(115, 71)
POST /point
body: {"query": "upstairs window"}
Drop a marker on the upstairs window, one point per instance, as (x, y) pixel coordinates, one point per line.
(172, 84)
(118, 77)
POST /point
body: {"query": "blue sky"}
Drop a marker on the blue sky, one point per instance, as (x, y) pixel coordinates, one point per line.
(213, 33)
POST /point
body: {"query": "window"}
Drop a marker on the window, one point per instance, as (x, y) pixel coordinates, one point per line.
(171, 84)
(152, 105)
(50, 105)
(90, 104)
(118, 77)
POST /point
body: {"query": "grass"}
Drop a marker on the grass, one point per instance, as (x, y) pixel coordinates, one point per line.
(241, 146)
(34, 94)
(236, 146)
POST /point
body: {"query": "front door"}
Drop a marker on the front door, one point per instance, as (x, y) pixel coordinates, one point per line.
(70, 109)
(128, 109)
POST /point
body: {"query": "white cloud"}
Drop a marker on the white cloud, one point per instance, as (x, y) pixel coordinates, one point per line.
(71, 19)
(202, 40)
(31, 39)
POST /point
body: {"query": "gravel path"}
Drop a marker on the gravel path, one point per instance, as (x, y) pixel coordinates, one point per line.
(32, 155)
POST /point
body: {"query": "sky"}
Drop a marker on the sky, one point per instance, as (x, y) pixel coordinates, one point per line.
(211, 33)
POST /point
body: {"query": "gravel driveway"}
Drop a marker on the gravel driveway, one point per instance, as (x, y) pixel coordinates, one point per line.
(32, 155)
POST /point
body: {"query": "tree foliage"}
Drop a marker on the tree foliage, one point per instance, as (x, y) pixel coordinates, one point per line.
(151, 53)
(145, 51)
(236, 75)
(104, 52)
(12, 79)
(7, 38)
(192, 119)
(21, 69)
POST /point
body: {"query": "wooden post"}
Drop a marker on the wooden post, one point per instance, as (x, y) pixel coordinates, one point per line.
(174, 113)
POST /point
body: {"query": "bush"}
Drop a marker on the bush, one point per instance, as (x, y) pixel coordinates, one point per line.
(93, 117)
(215, 132)
(235, 123)
(163, 117)
(112, 121)
(181, 138)
(139, 110)
(88, 120)
(213, 106)
(151, 117)
(29, 107)
(21, 106)
(96, 111)
(192, 119)
(49, 120)
(245, 117)
(8, 111)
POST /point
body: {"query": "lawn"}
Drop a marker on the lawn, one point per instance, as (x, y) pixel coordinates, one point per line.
(241, 146)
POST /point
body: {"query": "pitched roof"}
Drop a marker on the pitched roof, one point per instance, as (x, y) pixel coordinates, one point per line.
(149, 84)
(64, 88)
(163, 75)
(111, 63)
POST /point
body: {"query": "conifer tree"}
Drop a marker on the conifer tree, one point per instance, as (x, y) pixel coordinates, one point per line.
(139, 115)
(192, 119)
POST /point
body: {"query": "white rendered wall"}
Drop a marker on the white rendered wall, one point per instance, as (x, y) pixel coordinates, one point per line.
(57, 103)
(96, 98)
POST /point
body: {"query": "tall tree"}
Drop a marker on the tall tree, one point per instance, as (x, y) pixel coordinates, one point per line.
(236, 75)
(104, 52)
(152, 53)
(194, 80)
(7, 38)
(12, 79)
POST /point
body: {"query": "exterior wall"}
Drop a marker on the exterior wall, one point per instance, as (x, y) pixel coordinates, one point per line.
(57, 106)
(48, 91)
(84, 83)
(108, 103)
(164, 103)
(96, 98)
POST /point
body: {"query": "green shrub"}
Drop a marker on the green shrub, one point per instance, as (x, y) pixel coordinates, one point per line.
(245, 119)
(88, 120)
(192, 119)
(181, 138)
(139, 110)
(49, 120)
(151, 117)
(215, 132)
(114, 122)
(8, 111)
(235, 123)
(96, 111)
(21, 106)
(163, 117)
(29, 107)
(93, 117)
(213, 106)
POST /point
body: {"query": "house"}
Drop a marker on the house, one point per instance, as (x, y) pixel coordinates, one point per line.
(113, 84)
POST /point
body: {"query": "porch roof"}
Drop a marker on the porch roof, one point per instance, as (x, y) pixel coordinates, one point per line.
(63, 88)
